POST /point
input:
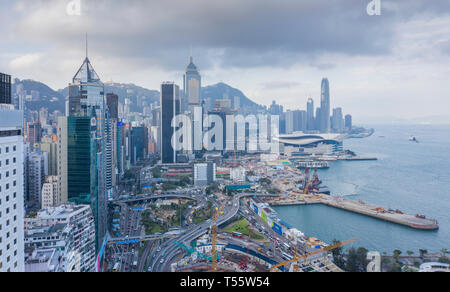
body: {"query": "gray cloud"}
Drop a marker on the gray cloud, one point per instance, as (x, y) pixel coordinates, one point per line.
(231, 33)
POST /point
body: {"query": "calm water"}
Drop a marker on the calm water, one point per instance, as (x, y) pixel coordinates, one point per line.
(412, 177)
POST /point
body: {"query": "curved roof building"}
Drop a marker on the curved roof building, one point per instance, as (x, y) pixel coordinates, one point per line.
(300, 139)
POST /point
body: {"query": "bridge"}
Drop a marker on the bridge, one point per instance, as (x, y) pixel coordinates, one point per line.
(146, 198)
(136, 239)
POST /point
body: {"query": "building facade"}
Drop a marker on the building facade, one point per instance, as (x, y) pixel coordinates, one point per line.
(325, 107)
(11, 190)
(170, 107)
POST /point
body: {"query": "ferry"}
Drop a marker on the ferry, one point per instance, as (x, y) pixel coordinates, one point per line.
(413, 139)
(313, 164)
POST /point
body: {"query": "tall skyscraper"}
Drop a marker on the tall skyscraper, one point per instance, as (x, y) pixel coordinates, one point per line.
(5, 88)
(192, 85)
(34, 133)
(112, 101)
(348, 122)
(325, 106)
(338, 120)
(12, 190)
(310, 123)
(83, 165)
(170, 107)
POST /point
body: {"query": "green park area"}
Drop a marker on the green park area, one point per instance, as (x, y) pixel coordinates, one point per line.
(242, 226)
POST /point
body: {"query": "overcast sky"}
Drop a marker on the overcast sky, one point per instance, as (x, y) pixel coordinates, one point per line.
(396, 64)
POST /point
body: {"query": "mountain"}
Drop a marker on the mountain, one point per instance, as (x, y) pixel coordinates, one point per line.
(55, 100)
(222, 91)
(48, 97)
(125, 90)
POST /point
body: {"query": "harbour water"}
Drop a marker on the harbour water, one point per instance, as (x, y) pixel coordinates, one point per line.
(412, 177)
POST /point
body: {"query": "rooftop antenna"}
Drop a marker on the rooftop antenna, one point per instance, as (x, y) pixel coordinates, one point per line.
(190, 53)
(86, 45)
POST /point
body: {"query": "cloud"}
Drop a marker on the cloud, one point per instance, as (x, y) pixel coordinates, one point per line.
(266, 48)
(25, 61)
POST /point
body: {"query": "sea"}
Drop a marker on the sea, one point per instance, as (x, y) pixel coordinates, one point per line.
(409, 176)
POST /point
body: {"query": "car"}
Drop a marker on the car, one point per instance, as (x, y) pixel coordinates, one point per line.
(161, 261)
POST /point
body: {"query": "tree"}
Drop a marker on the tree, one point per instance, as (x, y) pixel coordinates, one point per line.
(338, 257)
(444, 252)
(423, 252)
(409, 252)
(397, 253)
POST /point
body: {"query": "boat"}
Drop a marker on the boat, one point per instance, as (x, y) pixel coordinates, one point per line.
(413, 139)
(313, 164)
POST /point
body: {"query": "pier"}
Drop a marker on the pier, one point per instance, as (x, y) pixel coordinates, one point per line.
(413, 221)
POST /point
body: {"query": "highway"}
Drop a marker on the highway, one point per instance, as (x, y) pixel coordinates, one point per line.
(169, 250)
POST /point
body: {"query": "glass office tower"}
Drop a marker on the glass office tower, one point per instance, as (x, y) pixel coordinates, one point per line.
(170, 107)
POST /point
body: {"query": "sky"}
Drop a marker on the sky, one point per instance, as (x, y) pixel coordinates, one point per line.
(390, 66)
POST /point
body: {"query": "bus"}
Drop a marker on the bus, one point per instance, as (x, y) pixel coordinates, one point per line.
(237, 234)
(116, 267)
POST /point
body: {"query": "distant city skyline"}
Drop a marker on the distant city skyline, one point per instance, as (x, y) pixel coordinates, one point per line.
(397, 66)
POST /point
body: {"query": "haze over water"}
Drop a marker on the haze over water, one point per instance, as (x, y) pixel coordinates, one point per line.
(411, 177)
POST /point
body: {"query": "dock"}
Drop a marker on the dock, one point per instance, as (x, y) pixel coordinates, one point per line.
(413, 221)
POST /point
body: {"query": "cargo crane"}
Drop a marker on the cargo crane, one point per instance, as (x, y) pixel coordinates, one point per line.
(214, 237)
(305, 256)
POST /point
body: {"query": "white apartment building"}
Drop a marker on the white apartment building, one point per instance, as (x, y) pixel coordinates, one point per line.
(50, 192)
(11, 190)
(69, 228)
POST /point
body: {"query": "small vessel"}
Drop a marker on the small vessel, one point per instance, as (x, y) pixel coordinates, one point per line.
(413, 139)
(313, 164)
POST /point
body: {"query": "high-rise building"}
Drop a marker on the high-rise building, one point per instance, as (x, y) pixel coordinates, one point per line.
(11, 190)
(310, 122)
(84, 146)
(48, 145)
(289, 122)
(5, 88)
(204, 174)
(337, 120)
(348, 122)
(325, 106)
(37, 170)
(62, 238)
(299, 121)
(50, 196)
(112, 101)
(170, 107)
(34, 133)
(139, 143)
(192, 85)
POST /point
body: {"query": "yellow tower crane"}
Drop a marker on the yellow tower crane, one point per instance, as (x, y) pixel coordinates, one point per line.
(305, 256)
(214, 237)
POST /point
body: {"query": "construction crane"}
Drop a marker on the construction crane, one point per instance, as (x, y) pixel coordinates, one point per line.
(214, 237)
(305, 256)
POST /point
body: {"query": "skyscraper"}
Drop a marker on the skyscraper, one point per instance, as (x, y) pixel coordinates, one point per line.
(84, 146)
(112, 101)
(325, 106)
(12, 190)
(5, 88)
(310, 123)
(338, 120)
(170, 107)
(348, 122)
(192, 85)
